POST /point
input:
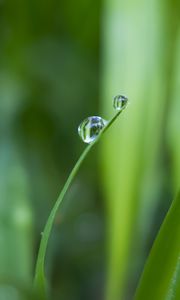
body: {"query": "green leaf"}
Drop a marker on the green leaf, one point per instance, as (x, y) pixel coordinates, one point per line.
(160, 277)
(39, 280)
(130, 169)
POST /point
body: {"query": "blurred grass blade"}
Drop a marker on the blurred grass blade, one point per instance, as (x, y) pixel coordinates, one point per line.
(130, 163)
(16, 216)
(160, 277)
(173, 120)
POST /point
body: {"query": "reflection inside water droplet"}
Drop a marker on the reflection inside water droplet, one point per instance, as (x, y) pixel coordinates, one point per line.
(90, 128)
(120, 102)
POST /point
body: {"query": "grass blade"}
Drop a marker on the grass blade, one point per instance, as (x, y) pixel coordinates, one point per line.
(133, 63)
(39, 281)
(159, 280)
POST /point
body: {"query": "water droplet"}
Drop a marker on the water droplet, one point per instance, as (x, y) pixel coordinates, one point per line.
(120, 102)
(90, 128)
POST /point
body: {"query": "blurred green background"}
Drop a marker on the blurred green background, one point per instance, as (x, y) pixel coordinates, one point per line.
(61, 61)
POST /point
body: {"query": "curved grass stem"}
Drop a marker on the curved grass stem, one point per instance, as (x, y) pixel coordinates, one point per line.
(39, 279)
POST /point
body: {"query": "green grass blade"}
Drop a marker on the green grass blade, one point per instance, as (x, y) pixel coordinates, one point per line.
(173, 119)
(39, 281)
(159, 279)
(132, 62)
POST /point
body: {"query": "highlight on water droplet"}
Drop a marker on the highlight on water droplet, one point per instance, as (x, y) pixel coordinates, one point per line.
(120, 102)
(90, 128)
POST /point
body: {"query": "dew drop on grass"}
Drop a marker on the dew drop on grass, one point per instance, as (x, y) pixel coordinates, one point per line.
(90, 128)
(120, 102)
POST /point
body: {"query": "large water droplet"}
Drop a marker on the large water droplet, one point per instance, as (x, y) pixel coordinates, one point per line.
(120, 102)
(90, 128)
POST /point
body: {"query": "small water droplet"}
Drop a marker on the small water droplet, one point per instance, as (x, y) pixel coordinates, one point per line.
(90, 128)
(120, 102)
